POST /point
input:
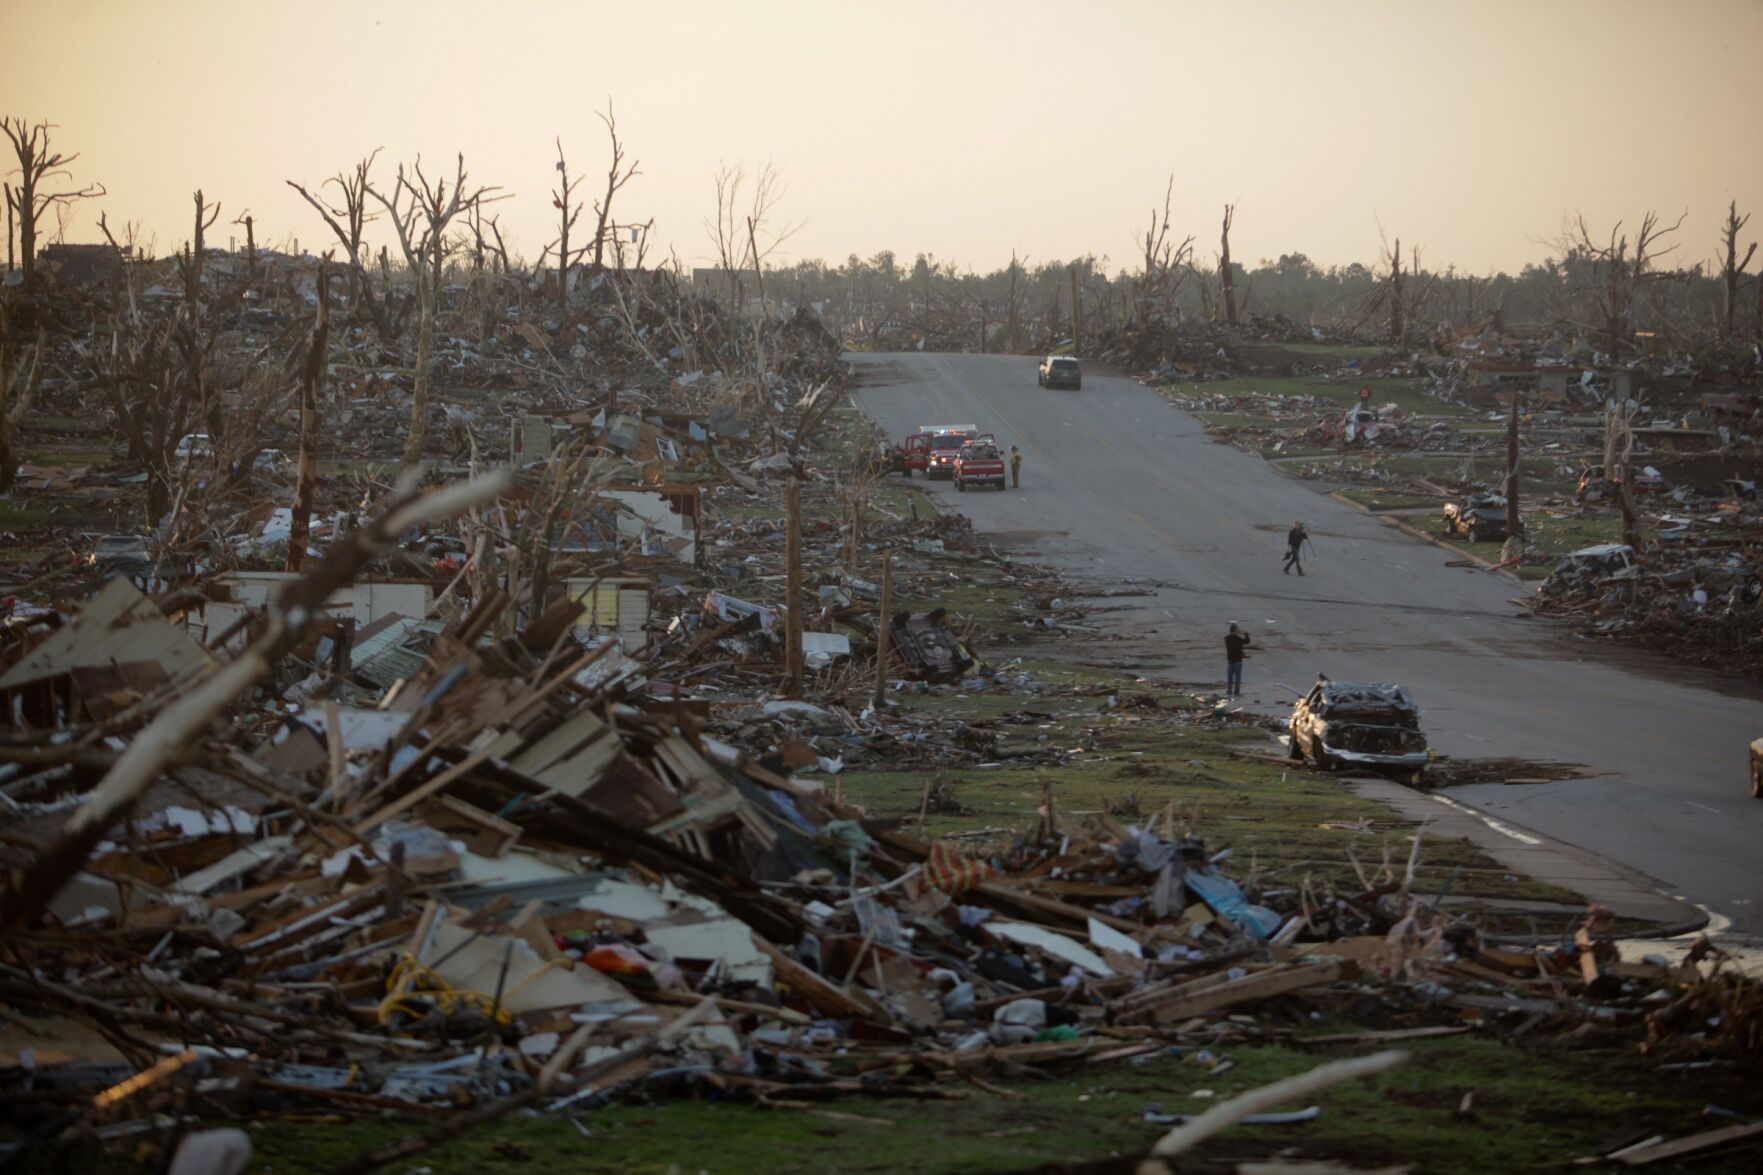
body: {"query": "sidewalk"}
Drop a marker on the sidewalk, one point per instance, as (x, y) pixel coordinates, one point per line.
(1628, 893)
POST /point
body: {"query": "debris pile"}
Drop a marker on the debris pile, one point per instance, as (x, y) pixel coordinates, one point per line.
(528, 873)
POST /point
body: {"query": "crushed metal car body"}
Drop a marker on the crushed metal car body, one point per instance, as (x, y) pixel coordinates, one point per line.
(1361, 725)
(1480, 518)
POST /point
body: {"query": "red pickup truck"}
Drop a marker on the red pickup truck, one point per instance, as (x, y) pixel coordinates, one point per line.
(979, 462)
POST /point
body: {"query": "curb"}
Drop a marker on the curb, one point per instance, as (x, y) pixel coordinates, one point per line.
(1443, 544)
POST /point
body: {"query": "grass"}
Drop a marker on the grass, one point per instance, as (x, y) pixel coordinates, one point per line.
(1390, 499)
(1532, 1111)
(14, 513)
(1272, 814)
(1549, 538)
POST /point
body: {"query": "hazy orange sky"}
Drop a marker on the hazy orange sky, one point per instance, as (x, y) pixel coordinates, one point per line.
(961, 128)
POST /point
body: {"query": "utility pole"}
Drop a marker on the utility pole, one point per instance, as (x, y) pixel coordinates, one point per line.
(1514, 527)
(313, 376)
(1077, 328)
(884, 628)
(793, 617)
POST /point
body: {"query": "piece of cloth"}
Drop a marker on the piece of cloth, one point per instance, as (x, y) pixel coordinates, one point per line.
(952, 871)
(1234, 644)
(1233, 678)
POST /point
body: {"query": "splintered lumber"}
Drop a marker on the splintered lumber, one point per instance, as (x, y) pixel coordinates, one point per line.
(1693, 1145)
(1183, 1004)
(1381, 1037)
(1228, 1113)
(819, 991)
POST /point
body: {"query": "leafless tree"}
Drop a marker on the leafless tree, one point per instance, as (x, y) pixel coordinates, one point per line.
(1226, 277)
(38, 164)
(348, 223)
(747, 238)
(1619, 274)
(420, 212)
(192, 262)
(618, 174)
(1731, 267)
(568, 208)
(1165, 261)
(146, 381)
(18, 386)
(250, 244)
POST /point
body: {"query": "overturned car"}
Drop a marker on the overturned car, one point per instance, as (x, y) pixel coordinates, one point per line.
(1362, 725)
(1480, 518)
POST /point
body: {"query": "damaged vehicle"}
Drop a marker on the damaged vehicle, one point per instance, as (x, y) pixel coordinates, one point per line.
(1590, 564)
(1479, 517)
(930, 651)
(1361, 725)
(1757, 769)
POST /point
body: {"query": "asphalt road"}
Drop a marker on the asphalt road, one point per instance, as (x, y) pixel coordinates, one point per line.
(1121, 487)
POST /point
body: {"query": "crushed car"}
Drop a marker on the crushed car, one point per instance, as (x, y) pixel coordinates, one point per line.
(1592, 564)
(1480, 518)
(1361, 725)
(931, 652)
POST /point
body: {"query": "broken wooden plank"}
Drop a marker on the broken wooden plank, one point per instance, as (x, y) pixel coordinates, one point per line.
(1250, 988)
(1379, 1037)
(819, 991)
(1694, 1144)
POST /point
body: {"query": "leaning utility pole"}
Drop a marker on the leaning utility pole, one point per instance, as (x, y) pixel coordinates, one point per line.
(793, 590)
(1514, 528)
(1077, 318)
(884, 627)
(311, 379)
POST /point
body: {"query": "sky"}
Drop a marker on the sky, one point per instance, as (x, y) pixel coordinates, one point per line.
(965, 129)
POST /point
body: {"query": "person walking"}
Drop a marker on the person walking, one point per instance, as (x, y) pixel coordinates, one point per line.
(1015, 467)
(1235, 642)
(1295, 540)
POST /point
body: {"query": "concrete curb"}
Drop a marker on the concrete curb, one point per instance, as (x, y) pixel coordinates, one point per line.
(1529, 853)
(1443, 544)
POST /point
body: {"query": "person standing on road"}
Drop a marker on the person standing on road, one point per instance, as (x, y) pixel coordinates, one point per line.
(1295, 540)
(1236, 642)
(1015, 467)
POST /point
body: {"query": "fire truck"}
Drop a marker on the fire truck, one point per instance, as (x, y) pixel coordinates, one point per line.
(932, 449)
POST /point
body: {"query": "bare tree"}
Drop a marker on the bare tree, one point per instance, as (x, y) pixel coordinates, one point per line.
(1618, 273)
(38, 163)
(617, 176)
(250, 244)
(1731, 266)
(191, 263)
(1165, 262)
(17, 388)
(563, 199)
(420, 212)
(348, 223)
(738, 234)
(151, 394)
(1226, 277)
